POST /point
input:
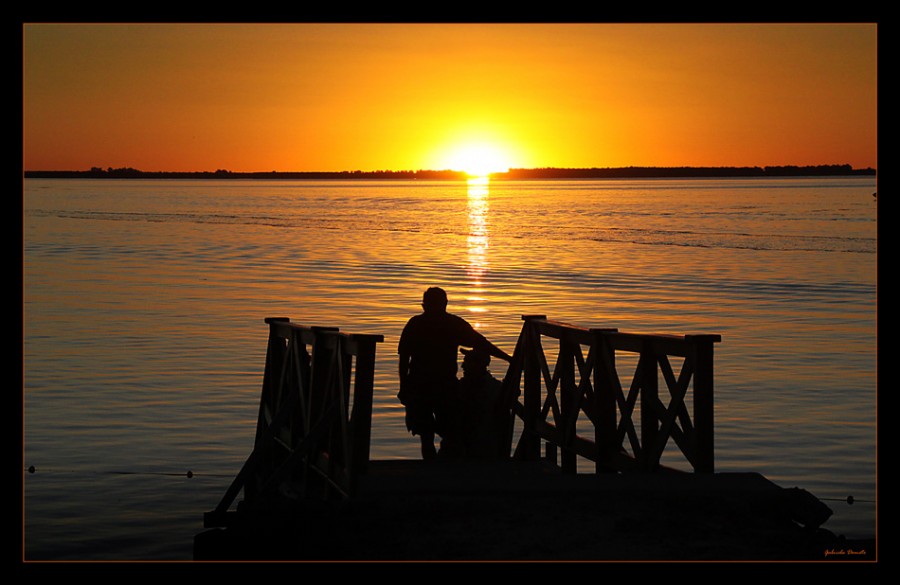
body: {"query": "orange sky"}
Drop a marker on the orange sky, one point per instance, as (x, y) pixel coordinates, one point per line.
(404, 97)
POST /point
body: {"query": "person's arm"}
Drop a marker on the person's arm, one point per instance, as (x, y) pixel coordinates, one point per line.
(403, 369)
(470, 337)
(497, 352)
(403, 351)
(486, 346)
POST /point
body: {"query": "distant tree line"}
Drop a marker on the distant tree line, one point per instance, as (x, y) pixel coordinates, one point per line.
(684, 172)
(512, 174)
(130, 173)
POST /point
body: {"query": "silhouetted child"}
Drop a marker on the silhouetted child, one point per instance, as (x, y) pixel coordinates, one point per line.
(480, 421)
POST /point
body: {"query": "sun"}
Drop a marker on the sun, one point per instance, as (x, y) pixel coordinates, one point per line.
(478, 160)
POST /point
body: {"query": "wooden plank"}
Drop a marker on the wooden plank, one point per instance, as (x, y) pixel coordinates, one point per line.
(550, 380)
(551, 452)
(626, 410)
(355, 342)
(704, 409)
(687, 371)
(584, 447)
(549, 432)
(606, 381)
(584, 392)
(649, 384)
(579, 445)
(633, 342)
(275, 349)
(335, 476)
(559, 330)
(363, 397)
(302, 382)
(568, 410)
(238, 483)
(512, 380)
(529, 444)
(580, 363)
(301, 451)
(285, 329)
(636, 343)
(342, 431)
(550, 405)
(584, 398)
(685, 444)
(551, 383)
(619, 461)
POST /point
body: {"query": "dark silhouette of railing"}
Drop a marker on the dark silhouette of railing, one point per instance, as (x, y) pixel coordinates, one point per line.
(315, 417)
(552, 402)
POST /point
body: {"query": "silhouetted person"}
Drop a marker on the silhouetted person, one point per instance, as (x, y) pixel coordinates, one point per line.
(428, 352)
(480, 416)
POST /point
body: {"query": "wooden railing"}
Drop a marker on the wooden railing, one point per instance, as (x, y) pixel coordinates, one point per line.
(586, 391)
(315, 414)
(312, 434)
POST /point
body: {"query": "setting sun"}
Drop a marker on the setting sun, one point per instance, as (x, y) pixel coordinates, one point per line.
(478, 160)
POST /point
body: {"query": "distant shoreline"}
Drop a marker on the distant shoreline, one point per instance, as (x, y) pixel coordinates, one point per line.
(512, 174)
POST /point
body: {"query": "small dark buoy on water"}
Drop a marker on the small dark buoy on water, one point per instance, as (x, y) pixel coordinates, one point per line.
(31, 469)
(850, 500)
(190, 474)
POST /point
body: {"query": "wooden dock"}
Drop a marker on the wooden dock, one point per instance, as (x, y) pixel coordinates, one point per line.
(310, 491)
(413, 510)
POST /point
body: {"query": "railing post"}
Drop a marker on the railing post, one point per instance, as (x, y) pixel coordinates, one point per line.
(361, 417)
(649, 400)
(612, 411)
(322, 383)
(270, 401)
(271, 392)
(303, 422)
(567, 388)
(511, 391)
(322, 357)
(704, 411)
(604, 400)
(530, 443)
(551, 453)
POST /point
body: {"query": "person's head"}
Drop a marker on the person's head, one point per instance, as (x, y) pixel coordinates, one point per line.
(434, 300)
(475, 362)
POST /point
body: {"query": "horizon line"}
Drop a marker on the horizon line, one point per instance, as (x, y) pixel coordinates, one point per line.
(545, 169)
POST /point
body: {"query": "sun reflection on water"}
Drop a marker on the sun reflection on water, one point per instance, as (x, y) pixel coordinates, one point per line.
(478, 242)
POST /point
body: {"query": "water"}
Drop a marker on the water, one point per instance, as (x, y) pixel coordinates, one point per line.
(144, 340)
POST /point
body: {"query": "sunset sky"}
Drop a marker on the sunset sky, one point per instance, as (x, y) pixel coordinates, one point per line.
(317, 97)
